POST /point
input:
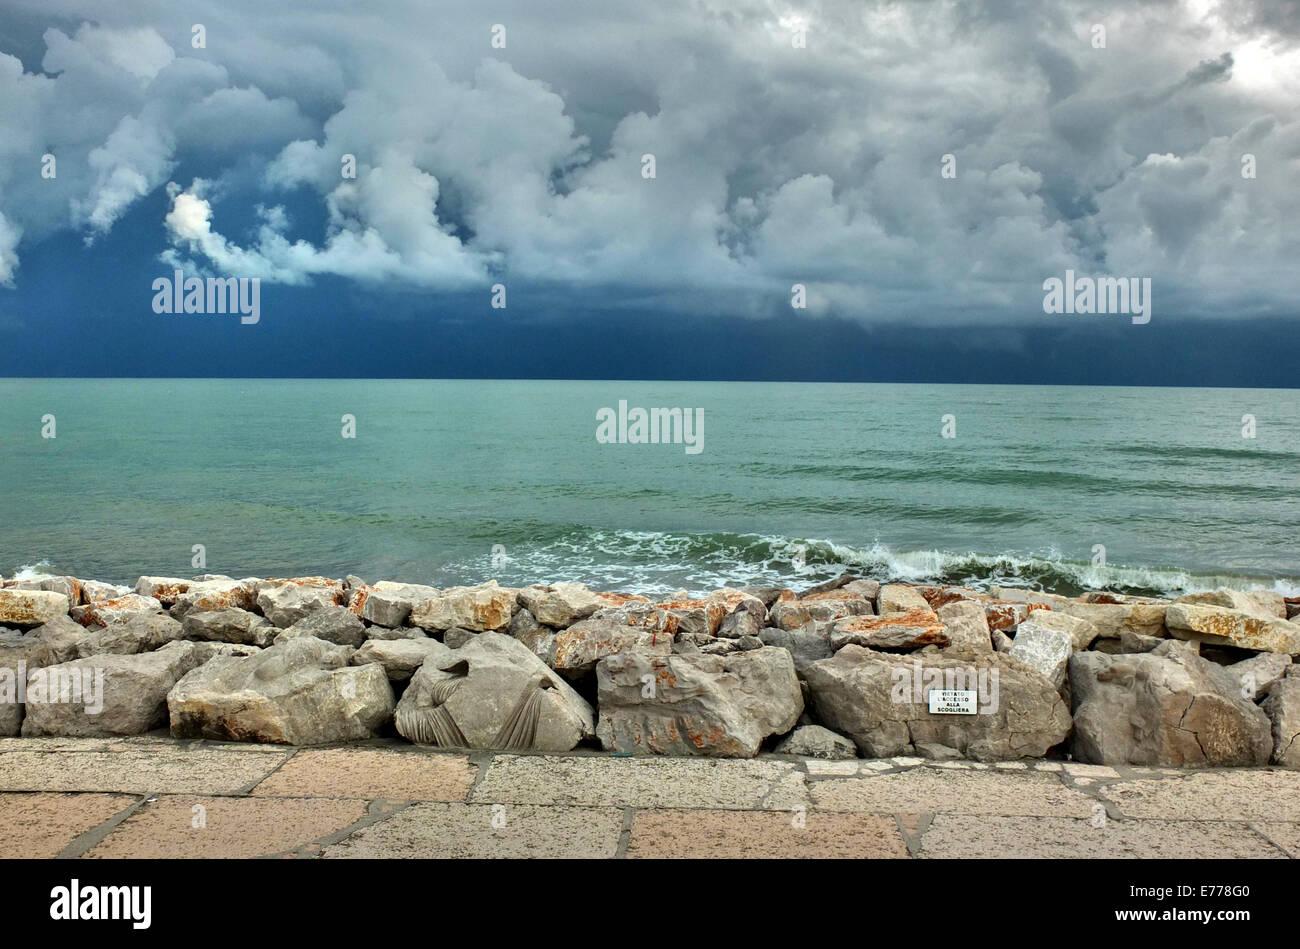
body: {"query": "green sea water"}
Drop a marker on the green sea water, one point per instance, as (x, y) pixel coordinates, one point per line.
(795, 483)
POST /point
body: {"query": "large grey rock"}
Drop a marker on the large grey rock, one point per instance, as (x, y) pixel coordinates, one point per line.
(1111, 619)
(582, 645)
(493, 693)
(31, 607)
(790, 612)
(1283, 709)
(814, 741)
(561, 604)
(400, 657)
(966, 626)
(539, 639)
(334, 624)
(806, 645)
(902, 630)
(389, 604)
(300, 692)
(1264, 603)
(897, 598)
(286, 602)
(722, 706)
(117, 610)
(20, 653)
(881, 701)
(106, 695)
(478, 608)
(141, 633)
(1042, 648)
(1082, 632)
(1258, 673)
(70, 587)
(167, 590)
(1224, 627)
(221, 593)
(229, 626)
(66, 638)
(1167, 707)
(748, 619)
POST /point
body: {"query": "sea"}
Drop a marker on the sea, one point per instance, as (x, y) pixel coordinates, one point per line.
(445, 482)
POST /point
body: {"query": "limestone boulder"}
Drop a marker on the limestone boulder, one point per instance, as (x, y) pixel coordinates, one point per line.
(1258, 673)
(881, 701)
(116, 694)
(582, 645)
(814, 741)
(486, 606)
(166, 590)
(806, 645)
(892, 630)
(1111, 619)
(218, 593)
(561, 604)
(389, 604)
(334, 624)
(400, 657)
(141, 633)
(1168, 707)
(1043, 648)
(20, 653)
(117, 610)
(229, 626)
(695, 704)
(965, 624)
(791, 612)
(31, 607)
(70, 587)
(1082, 632)
(1263, 603)
(300, 692)
(694, 619)
(1283, 709)
(493, 693)
(1219, 626)
(899, 598)
(285, 602)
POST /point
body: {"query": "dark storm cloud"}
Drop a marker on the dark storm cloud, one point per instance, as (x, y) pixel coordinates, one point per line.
(775, 164)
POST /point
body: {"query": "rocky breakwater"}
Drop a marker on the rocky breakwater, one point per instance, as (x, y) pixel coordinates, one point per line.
(851, 667)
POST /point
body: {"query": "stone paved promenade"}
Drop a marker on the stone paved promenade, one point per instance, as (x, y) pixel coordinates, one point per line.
(142, 797)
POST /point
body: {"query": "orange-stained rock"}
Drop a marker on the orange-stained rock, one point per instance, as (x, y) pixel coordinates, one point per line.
(902, 630)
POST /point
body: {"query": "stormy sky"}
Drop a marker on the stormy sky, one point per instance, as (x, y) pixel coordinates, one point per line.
(793, 143)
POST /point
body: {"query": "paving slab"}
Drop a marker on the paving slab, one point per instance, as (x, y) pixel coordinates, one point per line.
(643, 782)
(42, 824)
(174, 770)
(952, 792)
(1283, 834)
(1057, 838)
(207, 826)
(1243, 794)
(773, 834)
(368, 773)
(487, 830)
